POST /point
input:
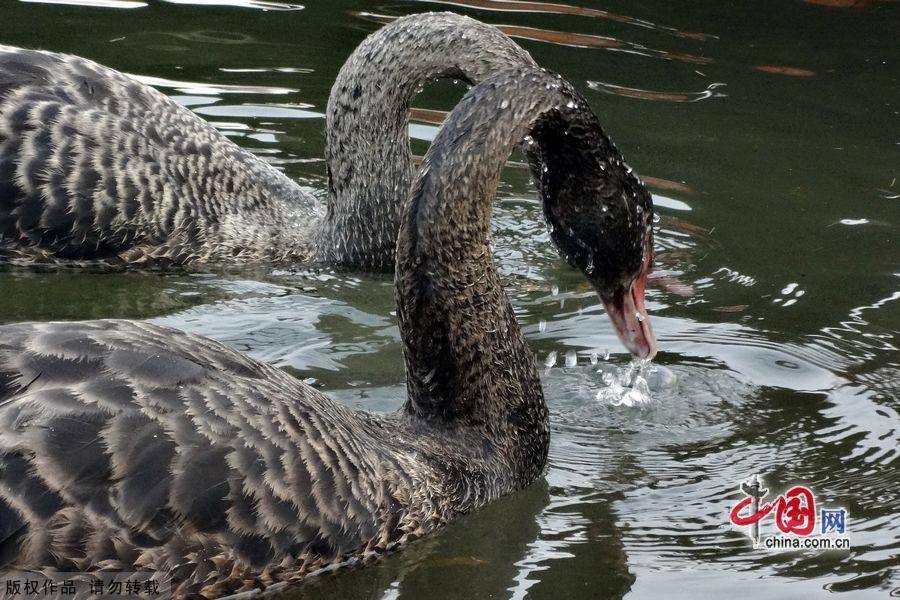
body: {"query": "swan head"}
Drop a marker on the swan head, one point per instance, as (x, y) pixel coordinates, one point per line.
(610, 240)
(600, 217)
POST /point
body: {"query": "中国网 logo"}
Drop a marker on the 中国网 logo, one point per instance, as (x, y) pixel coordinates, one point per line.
(799, 522)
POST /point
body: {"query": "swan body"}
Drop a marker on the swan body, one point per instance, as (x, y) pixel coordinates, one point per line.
(125, 445)
(96, 166)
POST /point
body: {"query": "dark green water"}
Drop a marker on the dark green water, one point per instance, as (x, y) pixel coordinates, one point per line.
(779, 136)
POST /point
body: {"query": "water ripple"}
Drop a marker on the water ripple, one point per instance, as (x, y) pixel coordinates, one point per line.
(565, 9)
(627, 92)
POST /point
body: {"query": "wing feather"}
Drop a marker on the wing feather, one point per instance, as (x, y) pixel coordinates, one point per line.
(124, 443)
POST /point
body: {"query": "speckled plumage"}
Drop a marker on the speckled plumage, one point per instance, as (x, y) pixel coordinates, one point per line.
(131, 446)
(127, 445)
(97, 166)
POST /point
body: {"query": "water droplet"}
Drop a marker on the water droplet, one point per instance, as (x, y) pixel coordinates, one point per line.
(504, 104)
(542, 326)
(606, 355)
(571, 104)
(639, 317)
(555, 290)
(571, 358)
(594, 358)
(550, 361)
(789, 289)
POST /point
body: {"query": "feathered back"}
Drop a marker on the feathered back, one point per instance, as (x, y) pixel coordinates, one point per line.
(127, 445)
(95, 165)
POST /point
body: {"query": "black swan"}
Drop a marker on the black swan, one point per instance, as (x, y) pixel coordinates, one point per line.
(96, 166)
(125, 445)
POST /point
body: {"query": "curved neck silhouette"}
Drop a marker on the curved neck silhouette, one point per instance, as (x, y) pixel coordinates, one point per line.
(467, 360)
(367, 150)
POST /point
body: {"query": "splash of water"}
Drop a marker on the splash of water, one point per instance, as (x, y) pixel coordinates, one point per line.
(626, 387)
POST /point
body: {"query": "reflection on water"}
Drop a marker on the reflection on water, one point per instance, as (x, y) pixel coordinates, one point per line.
(580, 40)
(208, 36)
(258, 4)
(843, 3)
(270, 111)
(609, 88)
(775, 294)
(562, 9)
(426, 115)
(193, 87)
(574, 40)
(94, 3)
(781, 70)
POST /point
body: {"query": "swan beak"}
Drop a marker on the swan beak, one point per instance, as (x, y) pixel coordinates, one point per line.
(629, 316)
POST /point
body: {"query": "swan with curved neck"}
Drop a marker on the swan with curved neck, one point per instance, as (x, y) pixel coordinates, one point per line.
(97, 166)
(125, 445)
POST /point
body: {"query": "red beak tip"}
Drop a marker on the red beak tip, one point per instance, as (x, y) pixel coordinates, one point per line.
(630, 320)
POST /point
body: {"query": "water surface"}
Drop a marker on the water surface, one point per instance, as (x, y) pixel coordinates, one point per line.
(769, 132)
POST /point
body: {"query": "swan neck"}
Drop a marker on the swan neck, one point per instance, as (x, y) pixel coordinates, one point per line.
(367, 151)
(466, 357)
